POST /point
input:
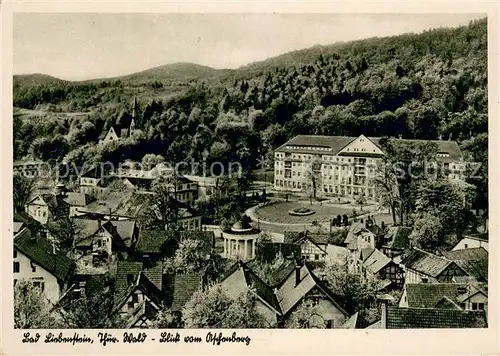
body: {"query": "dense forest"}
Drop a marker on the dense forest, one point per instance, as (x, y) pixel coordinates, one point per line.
(431, 85)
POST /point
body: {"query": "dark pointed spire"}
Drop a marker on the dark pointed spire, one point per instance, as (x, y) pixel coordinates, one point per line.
(134, 108)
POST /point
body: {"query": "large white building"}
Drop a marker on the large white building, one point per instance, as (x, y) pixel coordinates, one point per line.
(343, 166)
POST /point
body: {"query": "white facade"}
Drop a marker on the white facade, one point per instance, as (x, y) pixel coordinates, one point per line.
(478, 301)
(339, 174)
(110, 136)
(240, 242)
(191, 223)
(240, 247)
(26, 269)
(312, 252)
(340, 171)
(38, 210)
(412, 276)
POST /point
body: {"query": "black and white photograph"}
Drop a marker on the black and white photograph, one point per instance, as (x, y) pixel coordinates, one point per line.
(249, 171)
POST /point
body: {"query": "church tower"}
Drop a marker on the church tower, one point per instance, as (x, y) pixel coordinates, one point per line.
(134, 115)
(134, 108)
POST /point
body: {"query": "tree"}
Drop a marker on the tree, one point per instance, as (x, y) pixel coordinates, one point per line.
(213, 308)
(406, 162)
(68, 232)
(31, 308)
(151, 160)
(161, 209)
(190, 256)
(361, 201)
(23, 191)
(265, 269)
(357, 291)
(385, 185)
(449, 201)
(427, 233)
(313, 177)
(166, 319)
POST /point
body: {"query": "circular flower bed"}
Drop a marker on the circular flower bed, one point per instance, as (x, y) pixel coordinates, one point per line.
(301, 212)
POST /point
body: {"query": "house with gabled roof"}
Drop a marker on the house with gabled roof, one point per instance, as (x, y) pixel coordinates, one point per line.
(313, 245)
(395, 241)
(22, 220)
(141, 291)
(384, 268)
(128, 233)
(84, 286)
(241, 279)
(138, 292)
(77, 202)
(471, 296)
(472, 241)
(155, 245)
(472, 260)
(394, 317)
(291, 285)
(37, 260)
(303, 285)
(424, 267)
(179, 288)
(359, 238)
(468, 254)
(48, 207)
(92, 180)
(123, 128)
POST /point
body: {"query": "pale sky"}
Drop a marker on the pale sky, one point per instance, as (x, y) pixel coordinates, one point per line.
(86, 46)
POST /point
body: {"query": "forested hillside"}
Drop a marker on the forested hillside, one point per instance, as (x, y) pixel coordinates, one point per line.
(430, 85)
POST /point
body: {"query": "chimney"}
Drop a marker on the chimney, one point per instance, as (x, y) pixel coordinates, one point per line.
(384, 299)
(297, 275)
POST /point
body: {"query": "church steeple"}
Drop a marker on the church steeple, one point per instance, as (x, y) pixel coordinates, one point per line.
(134, 108)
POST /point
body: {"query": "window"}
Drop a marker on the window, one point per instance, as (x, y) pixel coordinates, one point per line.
(465, 245)
(474, 306)
(33, 266)
(316, 257)
(480, 306)
(16, 267)
(424, 280)
(462, 305)
(15, 281)
(15, 253)
(98, 243)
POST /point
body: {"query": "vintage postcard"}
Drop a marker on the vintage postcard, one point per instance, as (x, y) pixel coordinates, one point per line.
(242, 178)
